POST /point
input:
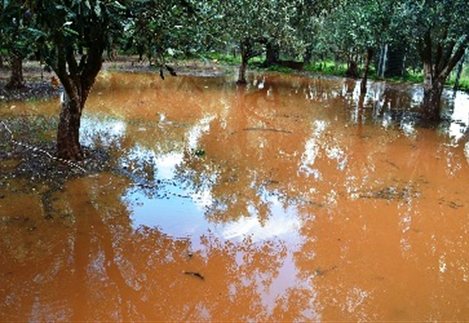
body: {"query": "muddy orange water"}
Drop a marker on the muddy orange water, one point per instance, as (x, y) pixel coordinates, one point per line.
(290, 199)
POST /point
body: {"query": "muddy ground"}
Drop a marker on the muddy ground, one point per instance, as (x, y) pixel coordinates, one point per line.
(36, 167)
(42, 84)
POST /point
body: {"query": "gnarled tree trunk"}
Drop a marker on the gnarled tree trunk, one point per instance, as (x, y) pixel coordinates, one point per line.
(369, 56)
(77, 82)
(432, 92)
(439, 59)
(242, 70)
(246, 54)
(16, 78)
(68, 133)
(352, 69)
(272, 55)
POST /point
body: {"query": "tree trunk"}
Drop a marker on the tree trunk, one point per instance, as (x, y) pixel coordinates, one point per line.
(16, 78)
(242, 70)
(352, 69)
(360, 106)
(1, 62)
(77, 81)
(383, 53)
(68, 134)
(432, 92)
(272, 55)
(308, 55)
(369, 55)
(394, 66)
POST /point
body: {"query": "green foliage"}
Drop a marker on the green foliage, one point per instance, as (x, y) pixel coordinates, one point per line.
(355, 26)
(445, 21)
(16, 36)
(249, 25)
(168, 28)
(328, 67)
(439, 33)
(66, 27)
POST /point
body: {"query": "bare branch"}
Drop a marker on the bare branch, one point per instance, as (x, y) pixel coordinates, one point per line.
(61, 70)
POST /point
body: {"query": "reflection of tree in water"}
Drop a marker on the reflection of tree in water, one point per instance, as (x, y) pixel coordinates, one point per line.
(354, 179)
(357, 190)
(89, 263)
(250, 153)
(390, 104)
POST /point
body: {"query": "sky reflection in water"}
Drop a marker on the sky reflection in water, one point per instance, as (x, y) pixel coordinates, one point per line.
(295, 199)
(181, 211)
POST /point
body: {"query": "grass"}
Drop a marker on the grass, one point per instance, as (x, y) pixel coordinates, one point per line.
(411, 76)
(280, 69)
(464, 84)
(228, 59)
(417, 77)
(328, 67)
(463, 81)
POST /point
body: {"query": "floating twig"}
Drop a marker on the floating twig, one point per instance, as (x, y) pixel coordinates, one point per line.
(194, 274)
(268, 129)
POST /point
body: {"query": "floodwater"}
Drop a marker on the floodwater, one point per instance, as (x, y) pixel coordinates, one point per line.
(290, 199)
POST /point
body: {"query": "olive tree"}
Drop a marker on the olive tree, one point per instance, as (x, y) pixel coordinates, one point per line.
(64, 29)
(439, 29)
(15, 38)
(309, 21)
(253, 24)
(161, 28)
(356, 28)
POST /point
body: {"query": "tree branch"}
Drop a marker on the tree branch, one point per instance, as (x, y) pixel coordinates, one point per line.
(458, 54)
(61, 70)
(91, 67)
(81, 66)
(72, 62)
(428, 57)
(445, 57)
(440, 60)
